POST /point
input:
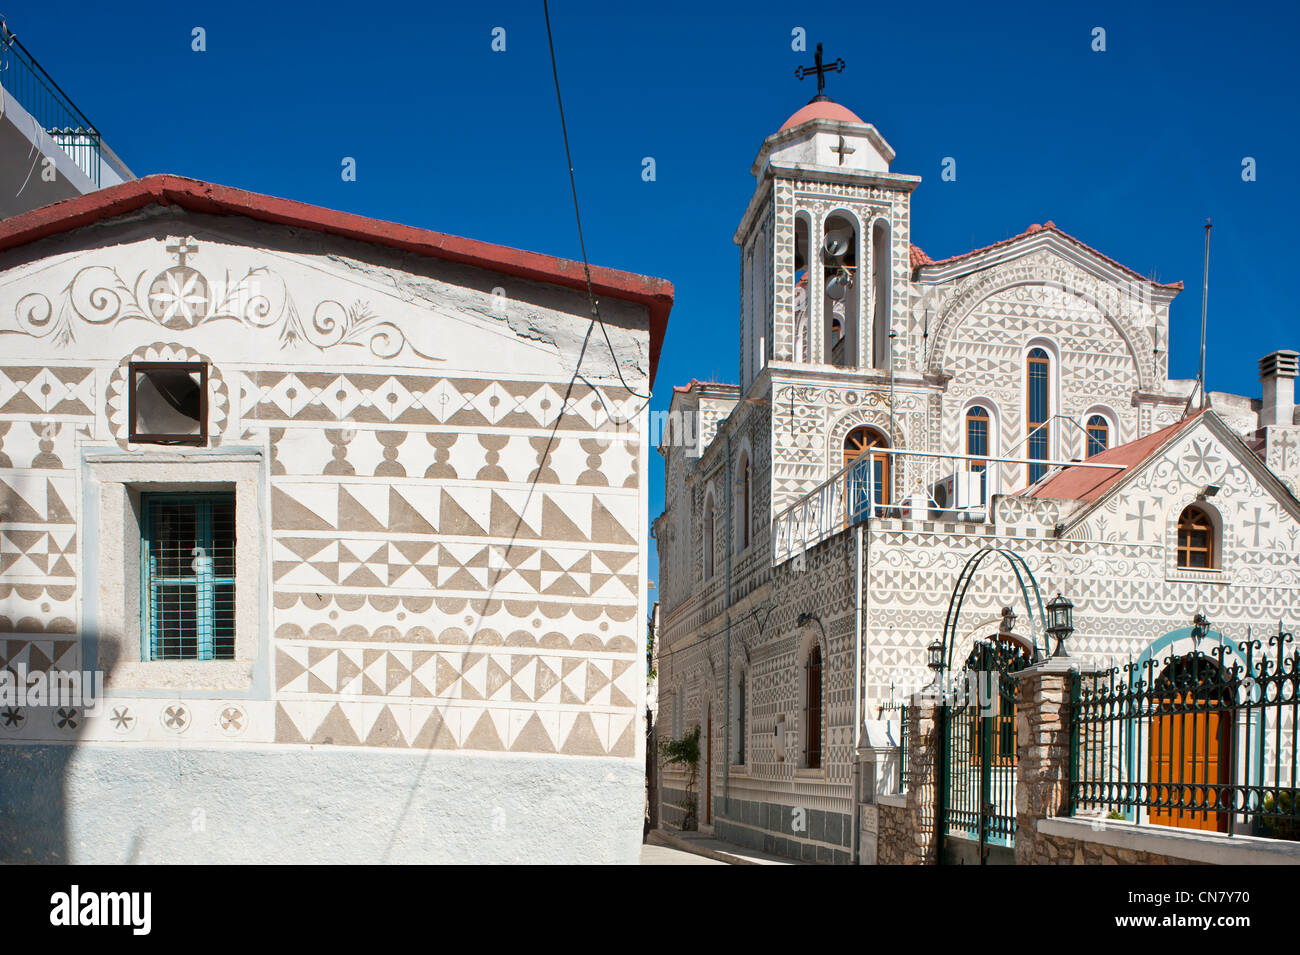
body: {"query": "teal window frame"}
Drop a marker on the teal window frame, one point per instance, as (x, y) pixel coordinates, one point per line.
(201, 577)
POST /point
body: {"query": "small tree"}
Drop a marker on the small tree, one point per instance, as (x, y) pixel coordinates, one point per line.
(1283, 828)
(685, 752)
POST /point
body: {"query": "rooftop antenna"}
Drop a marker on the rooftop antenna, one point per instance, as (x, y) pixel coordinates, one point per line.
(1205, 294)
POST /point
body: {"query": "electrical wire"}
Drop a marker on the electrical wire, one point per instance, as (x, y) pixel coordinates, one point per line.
(577, 215)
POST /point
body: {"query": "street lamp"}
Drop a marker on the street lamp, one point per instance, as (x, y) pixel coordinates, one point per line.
(1060, 622)
(1008, 624)
(935, 653)
(1200, 629)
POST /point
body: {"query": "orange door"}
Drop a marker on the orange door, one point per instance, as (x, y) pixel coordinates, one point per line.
(1189, 753)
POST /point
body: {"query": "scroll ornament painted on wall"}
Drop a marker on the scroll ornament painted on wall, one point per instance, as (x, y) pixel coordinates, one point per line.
(180, 298)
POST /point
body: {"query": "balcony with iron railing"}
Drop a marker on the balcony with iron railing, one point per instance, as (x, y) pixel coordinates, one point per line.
(40, 118)
(895, 483)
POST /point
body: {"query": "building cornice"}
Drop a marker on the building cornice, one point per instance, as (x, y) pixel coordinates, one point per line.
(816, 174)
(1071, 250)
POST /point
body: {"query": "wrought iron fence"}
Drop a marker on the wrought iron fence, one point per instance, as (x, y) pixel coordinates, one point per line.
(903, 734)
(979, 749)
(1196, 739)
(28, 84)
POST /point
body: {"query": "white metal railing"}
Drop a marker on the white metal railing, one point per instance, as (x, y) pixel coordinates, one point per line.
(1046, 426)
(848, 497)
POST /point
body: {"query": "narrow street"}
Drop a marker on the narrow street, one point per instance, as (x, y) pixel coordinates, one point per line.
(664, 855)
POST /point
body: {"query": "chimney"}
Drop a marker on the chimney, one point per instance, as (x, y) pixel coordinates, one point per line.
(1277, 373)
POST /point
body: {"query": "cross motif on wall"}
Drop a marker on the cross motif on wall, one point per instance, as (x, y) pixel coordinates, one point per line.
(1285, 445)
(182, 247)
(1257, 523)
(1142, 517)
(842, 150)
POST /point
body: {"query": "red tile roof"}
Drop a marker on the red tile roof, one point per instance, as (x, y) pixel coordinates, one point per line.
(917, 257)
(1051, 226)
(695, 382)
(820, 109)
(1088, 484)
(205, 197)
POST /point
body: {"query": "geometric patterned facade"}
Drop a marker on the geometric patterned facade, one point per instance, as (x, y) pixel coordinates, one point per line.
(450, 520)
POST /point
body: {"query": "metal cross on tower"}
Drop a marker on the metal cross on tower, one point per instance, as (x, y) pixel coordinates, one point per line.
(820, 70)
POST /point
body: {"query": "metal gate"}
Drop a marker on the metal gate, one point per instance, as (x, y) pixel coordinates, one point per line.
(977, 810)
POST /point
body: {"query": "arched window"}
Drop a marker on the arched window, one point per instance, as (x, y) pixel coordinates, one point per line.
(744, 517)
(802, 336)
(977, 440)
(802, 339)
(861, 440)
(1195, 540)
(801, 249)
(1039, 408)
(1098, 435)
(880, 293)
(709, 537)
(840, 286)
(740, 721)
(812, 711)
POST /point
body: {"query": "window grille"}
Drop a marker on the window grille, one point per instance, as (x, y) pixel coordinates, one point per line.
(188, 552)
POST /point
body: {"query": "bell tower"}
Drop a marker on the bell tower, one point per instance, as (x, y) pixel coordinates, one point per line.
(824, 245)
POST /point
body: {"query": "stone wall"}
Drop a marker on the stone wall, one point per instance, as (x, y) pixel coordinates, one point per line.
(1055, 850)
(908, 833)
(1043, 755)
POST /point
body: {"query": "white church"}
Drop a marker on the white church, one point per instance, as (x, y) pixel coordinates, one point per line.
(894, 416)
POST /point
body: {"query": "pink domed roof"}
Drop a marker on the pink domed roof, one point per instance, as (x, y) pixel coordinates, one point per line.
(821, 109)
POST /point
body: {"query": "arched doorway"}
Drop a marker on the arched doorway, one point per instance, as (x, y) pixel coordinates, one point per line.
(979, 753)
(857, 443)
(1190, 743)
(1002, 654)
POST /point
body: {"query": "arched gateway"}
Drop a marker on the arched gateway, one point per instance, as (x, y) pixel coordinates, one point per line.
(977, 719)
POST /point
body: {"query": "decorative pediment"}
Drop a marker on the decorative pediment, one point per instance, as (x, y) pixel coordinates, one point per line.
(213, 291)
(1132, 315)
(1205, 462)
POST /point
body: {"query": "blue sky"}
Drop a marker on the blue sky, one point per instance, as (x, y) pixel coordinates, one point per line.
(1129, 150)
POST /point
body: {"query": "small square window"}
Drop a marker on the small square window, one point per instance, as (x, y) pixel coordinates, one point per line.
(168, 402)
